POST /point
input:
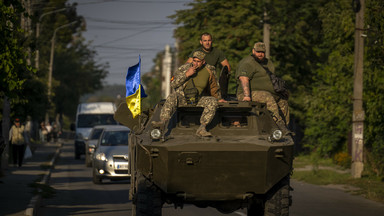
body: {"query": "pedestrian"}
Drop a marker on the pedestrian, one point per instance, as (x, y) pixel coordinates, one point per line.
(49, 131)
(43, 132)
(214, 57)
(16, 137)
(254, 83)
(191, 83)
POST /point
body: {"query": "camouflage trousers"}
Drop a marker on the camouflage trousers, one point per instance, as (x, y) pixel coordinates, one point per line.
(175, 99)
(272, 105)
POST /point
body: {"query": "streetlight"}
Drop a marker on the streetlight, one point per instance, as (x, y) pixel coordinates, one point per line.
(37, 57)
(51, 63)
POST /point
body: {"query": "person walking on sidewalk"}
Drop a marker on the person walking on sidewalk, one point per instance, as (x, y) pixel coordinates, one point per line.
(16, 137)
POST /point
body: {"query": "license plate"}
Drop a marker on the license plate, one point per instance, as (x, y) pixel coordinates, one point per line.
(121, 166)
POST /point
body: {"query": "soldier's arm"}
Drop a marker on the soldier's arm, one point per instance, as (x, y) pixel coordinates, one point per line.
(190, 59)
(226, 63)
(180, 76)
(245, 85)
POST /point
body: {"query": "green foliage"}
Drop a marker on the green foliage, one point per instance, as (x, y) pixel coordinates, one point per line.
(13, 64)
(77, 74)
(374, 85)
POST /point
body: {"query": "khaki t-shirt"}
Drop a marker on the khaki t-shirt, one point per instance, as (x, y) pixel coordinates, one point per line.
(259, 80)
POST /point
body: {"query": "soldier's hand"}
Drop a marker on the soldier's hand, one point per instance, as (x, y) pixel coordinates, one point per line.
(222, 101)
(247, 98)
(190, 71)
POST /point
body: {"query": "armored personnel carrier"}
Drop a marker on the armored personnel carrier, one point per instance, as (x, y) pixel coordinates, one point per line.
(247, 162)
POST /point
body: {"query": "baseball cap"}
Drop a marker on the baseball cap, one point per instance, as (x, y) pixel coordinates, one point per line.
(198, 54)
(17, 120)
(259, 47)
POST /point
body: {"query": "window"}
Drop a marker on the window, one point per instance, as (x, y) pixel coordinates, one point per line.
(115, 138)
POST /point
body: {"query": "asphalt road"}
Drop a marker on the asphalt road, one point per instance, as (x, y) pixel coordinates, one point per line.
(77, 195)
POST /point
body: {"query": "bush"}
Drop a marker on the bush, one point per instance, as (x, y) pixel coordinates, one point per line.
(343, 159)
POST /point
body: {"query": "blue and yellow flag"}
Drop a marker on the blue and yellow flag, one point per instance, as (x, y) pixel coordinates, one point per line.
(134, 89)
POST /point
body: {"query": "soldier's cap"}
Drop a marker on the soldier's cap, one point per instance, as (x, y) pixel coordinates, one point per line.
(198, 54)
(259, 47)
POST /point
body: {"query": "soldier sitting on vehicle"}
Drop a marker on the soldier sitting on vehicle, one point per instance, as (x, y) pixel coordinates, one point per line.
(191, 82)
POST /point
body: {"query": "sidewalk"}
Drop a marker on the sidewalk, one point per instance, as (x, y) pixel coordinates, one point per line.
(16, 194)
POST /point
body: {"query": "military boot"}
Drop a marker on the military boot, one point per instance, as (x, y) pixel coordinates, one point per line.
(157, 124)
(202, 132)
(283, 127)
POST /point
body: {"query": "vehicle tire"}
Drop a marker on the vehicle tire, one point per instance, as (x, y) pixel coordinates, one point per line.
(276, 204)
(96, 179)
(148, 199)
(280, 201)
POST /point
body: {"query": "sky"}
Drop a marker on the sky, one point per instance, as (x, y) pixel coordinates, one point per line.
(121, 30)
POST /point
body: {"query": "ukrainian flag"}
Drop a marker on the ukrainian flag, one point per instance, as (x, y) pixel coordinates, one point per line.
(134, 91)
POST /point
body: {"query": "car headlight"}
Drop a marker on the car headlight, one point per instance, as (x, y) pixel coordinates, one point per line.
(276, 135)
(155, 134)
(101, 156)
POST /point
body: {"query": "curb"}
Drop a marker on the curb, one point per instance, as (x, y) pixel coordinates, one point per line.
(35, 202)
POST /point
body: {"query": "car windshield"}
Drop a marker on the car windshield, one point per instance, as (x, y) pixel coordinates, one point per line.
(96, 133)
(115, 138)
(90, 120)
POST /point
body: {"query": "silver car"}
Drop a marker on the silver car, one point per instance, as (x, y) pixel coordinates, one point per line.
(91, 142)
(110, 159)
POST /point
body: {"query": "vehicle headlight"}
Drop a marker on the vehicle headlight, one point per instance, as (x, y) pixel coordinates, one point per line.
(101, 156)
(155, 134)
(277, 135)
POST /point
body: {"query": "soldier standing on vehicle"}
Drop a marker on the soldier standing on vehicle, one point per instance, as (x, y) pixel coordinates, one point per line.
(255, 84)
(214, 57)
(192, 83)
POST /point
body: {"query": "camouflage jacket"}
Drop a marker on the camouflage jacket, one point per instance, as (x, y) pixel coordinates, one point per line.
(180, 80)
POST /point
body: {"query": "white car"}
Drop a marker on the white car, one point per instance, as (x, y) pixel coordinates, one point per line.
(110, 159)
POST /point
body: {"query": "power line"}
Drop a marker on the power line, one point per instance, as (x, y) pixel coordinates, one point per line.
(128, 36)
(135, 22)
(140, 2)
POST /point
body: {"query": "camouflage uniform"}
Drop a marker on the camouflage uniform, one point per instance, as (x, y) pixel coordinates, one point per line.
(272, 105)
(177, 98)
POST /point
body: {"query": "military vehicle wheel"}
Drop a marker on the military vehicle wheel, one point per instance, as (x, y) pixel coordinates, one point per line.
(96, 179)
(277, 204)
(148, 198)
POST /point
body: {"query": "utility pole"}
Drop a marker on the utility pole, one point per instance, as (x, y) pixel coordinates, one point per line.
(266, 33)
(358, 112)
(166, 73)
(51, 65)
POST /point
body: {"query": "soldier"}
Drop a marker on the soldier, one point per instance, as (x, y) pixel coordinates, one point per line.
(192, 83)
(255, 84)
(216, 58)
(213, 56)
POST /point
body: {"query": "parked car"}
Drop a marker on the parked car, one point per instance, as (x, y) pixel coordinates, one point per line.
(91, 142)
(110, 159)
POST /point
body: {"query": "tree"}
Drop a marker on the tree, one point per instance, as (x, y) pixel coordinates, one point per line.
(374, 85)
(75, 71)
(13, 64)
